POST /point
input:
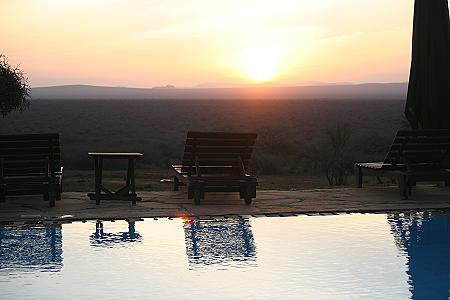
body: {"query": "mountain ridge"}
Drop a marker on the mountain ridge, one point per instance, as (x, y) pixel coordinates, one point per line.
(395, 90)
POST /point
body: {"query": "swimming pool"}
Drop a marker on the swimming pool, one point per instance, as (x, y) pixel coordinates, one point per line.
(306, 257)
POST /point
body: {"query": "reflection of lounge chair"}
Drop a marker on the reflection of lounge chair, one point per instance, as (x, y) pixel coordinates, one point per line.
(216, 162)
(31, 246)
(425, 242)
(415, 155)
(107, 239)
(30, 164)
(219, 241)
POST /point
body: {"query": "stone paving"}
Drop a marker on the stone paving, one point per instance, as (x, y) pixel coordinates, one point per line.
(77, 206)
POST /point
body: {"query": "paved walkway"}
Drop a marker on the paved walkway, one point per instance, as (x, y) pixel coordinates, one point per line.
(76, 206)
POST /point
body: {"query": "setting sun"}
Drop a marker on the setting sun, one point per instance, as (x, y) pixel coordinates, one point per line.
(260, 63)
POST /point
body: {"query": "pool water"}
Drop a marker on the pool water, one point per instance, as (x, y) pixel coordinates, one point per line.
(306, 257)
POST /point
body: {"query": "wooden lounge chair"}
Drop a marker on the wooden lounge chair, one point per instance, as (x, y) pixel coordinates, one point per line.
(415, 155)
(216, 162)
(30, 164)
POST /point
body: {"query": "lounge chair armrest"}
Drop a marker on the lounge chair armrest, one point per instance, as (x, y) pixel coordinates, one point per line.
(60, 175)
(175, 166)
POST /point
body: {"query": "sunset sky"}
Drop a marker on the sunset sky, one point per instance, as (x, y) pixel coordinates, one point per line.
(189, 43)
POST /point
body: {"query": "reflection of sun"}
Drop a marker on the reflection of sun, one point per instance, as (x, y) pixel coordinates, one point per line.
(260, 63)
(186, 219)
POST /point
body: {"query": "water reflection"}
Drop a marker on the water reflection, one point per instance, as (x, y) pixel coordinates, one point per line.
(31, 247)
(100, 238)
(426, 243)
(226, 242)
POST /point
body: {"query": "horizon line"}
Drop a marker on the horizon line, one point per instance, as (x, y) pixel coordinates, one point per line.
(259, 85)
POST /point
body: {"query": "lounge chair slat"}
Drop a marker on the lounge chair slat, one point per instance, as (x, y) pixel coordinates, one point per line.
(29, 137)
(221, 135)
(218, 149)
(25, 151)
(233, 155)
(215, 162)
(220, 142)
(423, 133)
(420, 146)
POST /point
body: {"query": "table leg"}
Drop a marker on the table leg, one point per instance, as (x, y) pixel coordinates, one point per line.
(132, 180)
(100, 177)
(97, 180)
(100, 167)
(128, 174)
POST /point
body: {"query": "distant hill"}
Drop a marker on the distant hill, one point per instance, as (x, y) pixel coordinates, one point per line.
(332, 91)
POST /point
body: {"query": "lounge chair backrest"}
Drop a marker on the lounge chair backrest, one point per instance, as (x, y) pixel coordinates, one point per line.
(217, 152)
(29, 155)
(419, 147)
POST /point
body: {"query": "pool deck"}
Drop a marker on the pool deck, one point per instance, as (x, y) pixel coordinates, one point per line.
(76, 206)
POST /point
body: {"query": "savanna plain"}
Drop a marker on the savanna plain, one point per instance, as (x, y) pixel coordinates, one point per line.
(301, 144)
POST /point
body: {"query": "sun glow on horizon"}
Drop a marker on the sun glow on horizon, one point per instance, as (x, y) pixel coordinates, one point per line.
(260, 63)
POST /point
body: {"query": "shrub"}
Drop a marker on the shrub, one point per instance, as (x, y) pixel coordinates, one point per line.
(14, 88)
(334, 156)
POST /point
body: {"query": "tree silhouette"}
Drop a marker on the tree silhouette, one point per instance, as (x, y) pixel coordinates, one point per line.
(14, 88)
(334, 155)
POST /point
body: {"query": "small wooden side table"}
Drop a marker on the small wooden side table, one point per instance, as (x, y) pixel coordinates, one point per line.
(126, 192)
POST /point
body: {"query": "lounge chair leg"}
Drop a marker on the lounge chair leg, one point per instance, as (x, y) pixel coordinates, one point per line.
(197, 196)
(190, 192)
(52, 198)
(403, 185)
(176, 184)
(248, 195)
(2, 193)
(46, 195)
(359, 177)
(58, 192)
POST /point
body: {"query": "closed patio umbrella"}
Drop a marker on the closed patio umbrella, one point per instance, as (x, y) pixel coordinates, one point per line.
(428, 101)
